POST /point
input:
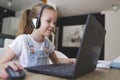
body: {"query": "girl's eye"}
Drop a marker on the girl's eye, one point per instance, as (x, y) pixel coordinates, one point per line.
(48, 21)
(54, 23)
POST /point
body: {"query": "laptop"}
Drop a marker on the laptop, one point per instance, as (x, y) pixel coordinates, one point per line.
(87, 55)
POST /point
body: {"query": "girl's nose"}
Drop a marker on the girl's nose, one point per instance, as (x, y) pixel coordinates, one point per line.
(52, 25)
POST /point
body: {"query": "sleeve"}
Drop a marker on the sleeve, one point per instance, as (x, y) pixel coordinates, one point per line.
(17, 44)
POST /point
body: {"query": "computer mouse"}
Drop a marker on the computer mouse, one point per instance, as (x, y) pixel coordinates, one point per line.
(15, 75)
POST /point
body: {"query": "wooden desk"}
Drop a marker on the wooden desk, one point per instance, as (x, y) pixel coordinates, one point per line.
(98, 74)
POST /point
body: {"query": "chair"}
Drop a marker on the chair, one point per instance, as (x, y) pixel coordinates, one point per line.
(7, 41)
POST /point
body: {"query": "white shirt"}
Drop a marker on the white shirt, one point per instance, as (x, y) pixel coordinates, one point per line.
(22, 50)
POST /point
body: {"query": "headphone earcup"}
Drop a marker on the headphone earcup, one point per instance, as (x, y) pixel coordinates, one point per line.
(38, 23)
(34, 22)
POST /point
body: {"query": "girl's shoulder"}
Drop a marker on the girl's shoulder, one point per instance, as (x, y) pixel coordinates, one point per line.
(21, 37)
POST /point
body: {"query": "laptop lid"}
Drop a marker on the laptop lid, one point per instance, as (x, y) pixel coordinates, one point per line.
(90, 47)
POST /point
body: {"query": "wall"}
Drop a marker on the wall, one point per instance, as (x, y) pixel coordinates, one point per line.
(112, 40)
(10, 25)
(50, 2)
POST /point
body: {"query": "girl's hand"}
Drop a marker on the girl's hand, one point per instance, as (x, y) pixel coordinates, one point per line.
(13, 64)
(73, 60)
(3, 73)
(66, 61)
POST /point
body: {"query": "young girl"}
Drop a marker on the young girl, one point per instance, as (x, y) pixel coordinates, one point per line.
(32, 48)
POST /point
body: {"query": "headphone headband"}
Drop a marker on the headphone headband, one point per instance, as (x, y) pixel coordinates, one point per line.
(36, 21)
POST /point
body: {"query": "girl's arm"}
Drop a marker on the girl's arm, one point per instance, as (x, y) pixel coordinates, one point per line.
(7, 56)
(56, 59)
(5, 61)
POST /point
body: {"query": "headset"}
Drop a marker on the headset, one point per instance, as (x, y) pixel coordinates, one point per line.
(36, 21)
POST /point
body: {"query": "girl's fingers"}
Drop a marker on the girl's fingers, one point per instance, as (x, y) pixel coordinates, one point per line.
(15, 65)
(74, 60)
(18, 65)
(3, 73)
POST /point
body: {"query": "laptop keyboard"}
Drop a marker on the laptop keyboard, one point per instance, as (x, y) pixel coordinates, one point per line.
(55, 69)
(61, 68)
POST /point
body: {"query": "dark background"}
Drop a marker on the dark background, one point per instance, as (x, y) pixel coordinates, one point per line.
(5, 13)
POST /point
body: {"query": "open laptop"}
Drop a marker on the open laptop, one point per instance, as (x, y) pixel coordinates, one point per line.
(87, 55)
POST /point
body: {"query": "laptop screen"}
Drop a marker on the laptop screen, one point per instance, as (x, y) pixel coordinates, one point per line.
(90, 47)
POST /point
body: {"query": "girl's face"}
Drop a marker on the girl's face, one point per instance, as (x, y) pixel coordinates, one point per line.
(48, 21)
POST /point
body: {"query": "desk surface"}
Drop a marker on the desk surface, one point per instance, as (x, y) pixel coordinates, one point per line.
(98, 74)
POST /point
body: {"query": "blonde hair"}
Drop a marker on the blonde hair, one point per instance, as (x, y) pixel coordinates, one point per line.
(25, 25)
